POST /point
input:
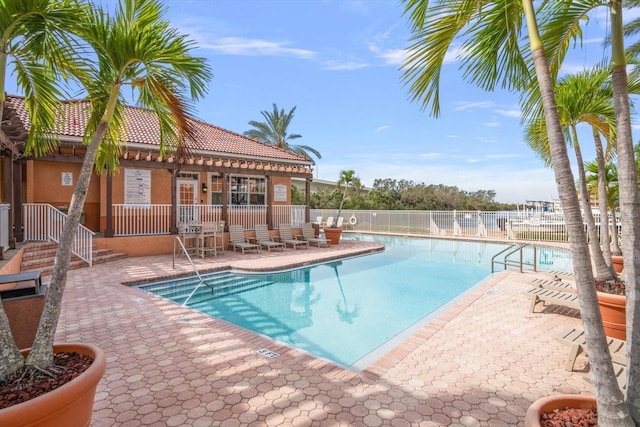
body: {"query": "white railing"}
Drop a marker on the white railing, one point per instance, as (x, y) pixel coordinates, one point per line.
(288, 214)
(247, 216)
(137, 220)
(43, 222)
(512, 225)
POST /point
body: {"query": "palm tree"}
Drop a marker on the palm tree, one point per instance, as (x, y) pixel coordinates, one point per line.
(491, 55)
(136, 47)
(274, 131)
(610, 177)
(35, 40)
(581, 98)
(347, 177)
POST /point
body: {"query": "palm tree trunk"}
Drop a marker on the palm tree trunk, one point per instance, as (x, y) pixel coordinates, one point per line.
(603, 200)
(41, 354)
(611, 407)
(603, 271)
(629, 206)
(11, 360)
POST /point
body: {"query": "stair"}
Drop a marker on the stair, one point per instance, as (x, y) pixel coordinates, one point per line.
(41, 256)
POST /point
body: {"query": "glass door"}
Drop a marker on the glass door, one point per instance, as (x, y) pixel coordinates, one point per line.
(187, 195)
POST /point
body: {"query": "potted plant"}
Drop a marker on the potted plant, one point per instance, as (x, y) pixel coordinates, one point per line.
(333, 232)
(613, 302)
(562, 409)
(136, 33)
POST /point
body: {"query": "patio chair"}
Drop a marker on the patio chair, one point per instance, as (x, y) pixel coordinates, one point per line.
(340, 222)
(238, 241)
(552, 296)
(575, 339)
(309, 236)
(286, 237)
(319, 220)
(264, 240)
(554, 284)
(329, 222)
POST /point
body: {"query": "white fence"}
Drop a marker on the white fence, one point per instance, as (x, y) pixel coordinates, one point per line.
(512, 225)
(43, 222)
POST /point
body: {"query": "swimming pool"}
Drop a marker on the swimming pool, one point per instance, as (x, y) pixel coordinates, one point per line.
(349, 311)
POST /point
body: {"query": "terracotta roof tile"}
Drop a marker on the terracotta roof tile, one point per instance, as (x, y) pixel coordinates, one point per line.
(142, 128)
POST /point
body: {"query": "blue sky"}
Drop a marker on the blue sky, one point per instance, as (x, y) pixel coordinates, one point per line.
(338, 62)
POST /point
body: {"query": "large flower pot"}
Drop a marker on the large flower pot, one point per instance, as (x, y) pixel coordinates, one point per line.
(333, 235)
(618, 263)
(560, 401)
(613, 311)
(68, 405)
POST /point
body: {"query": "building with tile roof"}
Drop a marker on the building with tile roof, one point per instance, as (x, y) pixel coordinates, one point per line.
(218, 175)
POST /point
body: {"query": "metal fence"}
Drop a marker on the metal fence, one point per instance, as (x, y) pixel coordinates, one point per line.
(510, 225)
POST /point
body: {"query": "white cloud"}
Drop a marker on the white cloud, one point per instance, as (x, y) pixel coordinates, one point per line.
(255, 47)
(515, 112)
(392, 57)
(467, 105)
(334, 65)
(382, 128)
(493, 124)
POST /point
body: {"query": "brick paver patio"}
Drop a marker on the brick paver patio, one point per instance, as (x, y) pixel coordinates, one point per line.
(480, 363)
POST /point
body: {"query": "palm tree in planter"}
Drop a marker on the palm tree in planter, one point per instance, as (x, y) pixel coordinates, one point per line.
(135, 47)
(333, 232)
(490, 33)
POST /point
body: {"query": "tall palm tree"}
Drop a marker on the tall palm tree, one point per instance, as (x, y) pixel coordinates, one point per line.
(274, 131)
(582, 98)
(610, 177)
(35, 41)
(347, 178)
(490, 31)
(138, 48)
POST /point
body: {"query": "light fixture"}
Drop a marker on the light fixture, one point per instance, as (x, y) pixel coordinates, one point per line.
(204, 187)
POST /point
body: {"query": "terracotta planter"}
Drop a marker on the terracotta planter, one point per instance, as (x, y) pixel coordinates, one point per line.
(548, 404)
(333, 235)
(618, 263)
(613, 310)
(69, 405)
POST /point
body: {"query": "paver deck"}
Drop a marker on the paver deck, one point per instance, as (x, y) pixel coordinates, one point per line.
(480, 363)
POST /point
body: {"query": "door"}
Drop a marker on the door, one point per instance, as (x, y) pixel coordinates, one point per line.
(187, 195)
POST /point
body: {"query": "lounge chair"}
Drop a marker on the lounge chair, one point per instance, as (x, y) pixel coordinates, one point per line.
(339, 222)
(554, 284)
(575, 339)
(319, 220)
(238, 241)
(329, 222)
(286, 237)
(264, 240)
(552, 296)
(309, 236)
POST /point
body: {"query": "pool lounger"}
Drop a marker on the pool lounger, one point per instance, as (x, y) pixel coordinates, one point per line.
(553, 284)
(552, 296)
(575, 339)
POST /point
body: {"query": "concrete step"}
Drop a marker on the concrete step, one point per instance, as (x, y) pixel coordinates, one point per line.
(41, 256)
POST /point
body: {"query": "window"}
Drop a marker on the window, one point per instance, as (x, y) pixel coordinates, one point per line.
(215, 189)
(245, 190)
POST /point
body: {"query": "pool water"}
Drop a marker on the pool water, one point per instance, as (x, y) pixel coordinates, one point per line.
(346, 311)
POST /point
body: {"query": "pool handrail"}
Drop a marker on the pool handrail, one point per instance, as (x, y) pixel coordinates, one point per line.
(518, 247)
(202, 282)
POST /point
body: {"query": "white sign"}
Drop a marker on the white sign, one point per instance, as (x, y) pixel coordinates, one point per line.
(137, 187)
(67, 179)
(280, 193)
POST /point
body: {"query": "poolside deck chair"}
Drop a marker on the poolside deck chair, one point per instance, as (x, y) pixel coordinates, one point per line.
(237, 241)
(553, 297)
(554, 284)
(575, 339)
(339, 222)
(319, 220)
(264, 240)
(309, 236)
(329, 222)
(286, 237)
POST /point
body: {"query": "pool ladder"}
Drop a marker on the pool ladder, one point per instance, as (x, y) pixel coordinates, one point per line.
(520, 263)
(202, 282)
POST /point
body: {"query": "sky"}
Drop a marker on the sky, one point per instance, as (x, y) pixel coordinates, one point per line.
(338, 63)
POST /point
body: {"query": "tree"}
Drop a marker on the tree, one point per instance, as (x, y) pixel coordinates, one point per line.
(138, 48)
(274, 131)
(491, 55)
(582, 98)
(36, 40)
(610, 177)
(348, 178)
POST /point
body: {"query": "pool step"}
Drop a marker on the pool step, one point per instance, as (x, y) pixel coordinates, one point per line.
(178, 290)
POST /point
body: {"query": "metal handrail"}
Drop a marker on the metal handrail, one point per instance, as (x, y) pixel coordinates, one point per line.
(202, 282)
(506, 262)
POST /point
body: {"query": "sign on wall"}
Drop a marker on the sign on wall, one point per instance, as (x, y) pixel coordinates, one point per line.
(137, 187)
(67, 179)
(279, 193)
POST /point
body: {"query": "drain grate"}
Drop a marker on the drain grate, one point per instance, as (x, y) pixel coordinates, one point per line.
(268, 353)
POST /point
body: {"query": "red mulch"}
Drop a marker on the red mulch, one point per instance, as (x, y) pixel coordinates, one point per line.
(16, 390)
(570, 417)
(614, 286)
